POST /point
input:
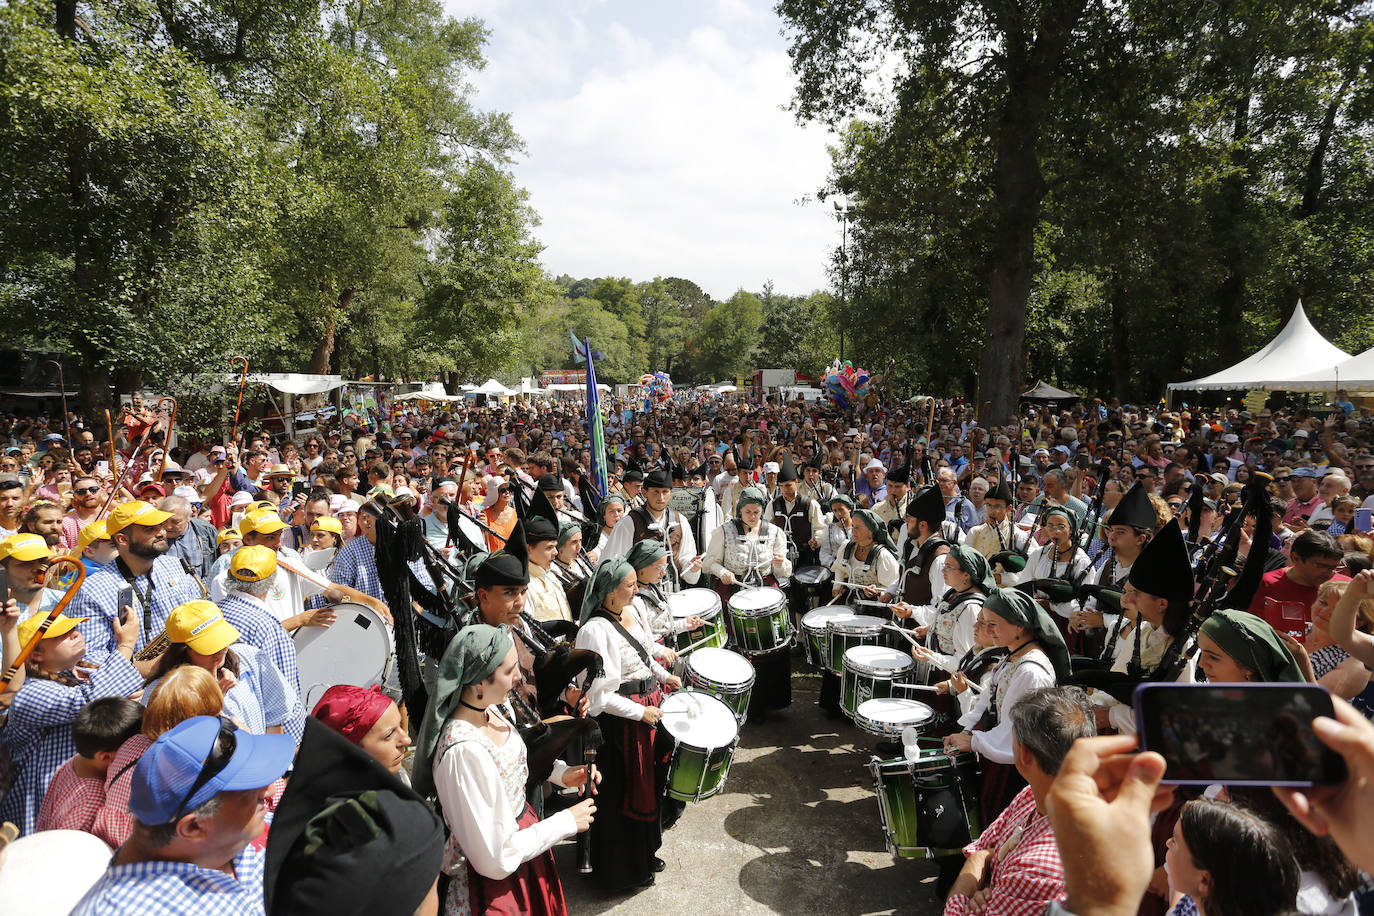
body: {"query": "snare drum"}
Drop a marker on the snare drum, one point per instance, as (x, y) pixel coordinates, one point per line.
(355, 649)
(887, 717)
(723, 674)
(706, 733)
(699, 602)
(813, 631)
(846, 632)
(869, 672)
(759, 620)
(929, 806)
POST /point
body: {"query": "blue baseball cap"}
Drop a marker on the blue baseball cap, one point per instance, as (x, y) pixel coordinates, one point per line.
(178, 773)
(1305, 472)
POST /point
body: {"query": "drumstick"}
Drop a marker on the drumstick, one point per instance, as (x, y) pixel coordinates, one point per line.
(697, 645)
(911, 639)
(916, 687)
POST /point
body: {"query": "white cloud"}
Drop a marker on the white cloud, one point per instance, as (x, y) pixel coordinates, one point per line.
(657, 149)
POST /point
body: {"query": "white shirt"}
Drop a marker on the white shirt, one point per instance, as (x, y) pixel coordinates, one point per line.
(623, 536)
(1015, 679)
(287, 596)
(619, 663)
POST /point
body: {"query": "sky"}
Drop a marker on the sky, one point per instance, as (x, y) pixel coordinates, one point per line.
(657, 140)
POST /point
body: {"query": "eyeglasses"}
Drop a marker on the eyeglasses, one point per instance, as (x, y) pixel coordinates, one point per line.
(82, 491)
(221, 752)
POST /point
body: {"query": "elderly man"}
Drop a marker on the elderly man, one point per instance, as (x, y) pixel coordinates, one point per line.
(1333, 485)
(1013, 868)
(1306, 499)
(198, 797)
(252, 575)
(957, 507)
(444, 493)
(871, 488)
(188, 538)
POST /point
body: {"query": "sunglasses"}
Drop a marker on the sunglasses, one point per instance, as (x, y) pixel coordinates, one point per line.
(221, 752)
(82, 491)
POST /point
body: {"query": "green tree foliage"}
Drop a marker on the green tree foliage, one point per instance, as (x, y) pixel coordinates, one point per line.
(725, 340)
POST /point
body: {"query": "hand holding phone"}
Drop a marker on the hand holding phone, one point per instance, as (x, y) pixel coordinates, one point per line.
(126, 602)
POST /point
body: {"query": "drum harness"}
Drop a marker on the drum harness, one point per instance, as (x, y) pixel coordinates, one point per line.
(753, 575)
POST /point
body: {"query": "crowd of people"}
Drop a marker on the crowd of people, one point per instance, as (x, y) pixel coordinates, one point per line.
(161, 591)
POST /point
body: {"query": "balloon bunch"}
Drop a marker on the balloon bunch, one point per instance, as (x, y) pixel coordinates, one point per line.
(656, 388)
(846, 385)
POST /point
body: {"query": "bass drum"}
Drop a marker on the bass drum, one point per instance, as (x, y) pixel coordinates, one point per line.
(356, 649)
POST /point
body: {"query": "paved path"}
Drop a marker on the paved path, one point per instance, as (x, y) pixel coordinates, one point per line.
(795, 831)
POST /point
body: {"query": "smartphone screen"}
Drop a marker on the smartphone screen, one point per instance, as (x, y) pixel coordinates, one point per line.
(1238, 734)
(1364, 519)
(126, 600)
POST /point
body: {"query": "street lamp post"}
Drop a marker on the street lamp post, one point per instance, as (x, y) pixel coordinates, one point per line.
(843, 211)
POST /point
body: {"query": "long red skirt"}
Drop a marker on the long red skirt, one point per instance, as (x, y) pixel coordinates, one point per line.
(533, 888)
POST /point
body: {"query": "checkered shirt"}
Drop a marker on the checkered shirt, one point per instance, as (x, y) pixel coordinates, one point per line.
(260, 627)
(38, 733)
(115, 822)
(355, 565)
(99, 600)
(71, 802)
(1025, 879)
(261, 698)
(178, 889)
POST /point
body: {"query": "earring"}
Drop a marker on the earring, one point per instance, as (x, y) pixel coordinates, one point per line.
(479, 692)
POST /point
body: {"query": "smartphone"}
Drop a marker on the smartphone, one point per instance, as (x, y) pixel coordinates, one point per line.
(1364, 519)
(1286, 616)
(126, 600)
(298, 488)
(4, 585)
(1238, 734)
(102, 468)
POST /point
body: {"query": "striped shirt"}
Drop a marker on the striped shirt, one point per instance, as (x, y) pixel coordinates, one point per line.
(260, 627)
(1025, 873)
(71, 802)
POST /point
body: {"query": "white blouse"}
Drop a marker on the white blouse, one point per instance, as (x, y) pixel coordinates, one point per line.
(881, 569)
(935, 574)
(961, 629)
(1043, 565)
(740, 553)
(1011, 681)
(619, 662)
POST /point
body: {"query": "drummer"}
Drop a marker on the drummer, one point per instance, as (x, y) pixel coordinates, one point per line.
(626, 833)
(650, 563)
(837, 523)
(973, 673)
(947, 628)
(800, 518)
(866, 566)
(1036, 657)
(746, 552)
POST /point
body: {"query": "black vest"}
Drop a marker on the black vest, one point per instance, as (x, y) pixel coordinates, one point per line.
(915, 583)
(798, 520)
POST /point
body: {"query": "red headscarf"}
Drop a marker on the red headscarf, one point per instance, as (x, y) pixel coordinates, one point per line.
(351, 711)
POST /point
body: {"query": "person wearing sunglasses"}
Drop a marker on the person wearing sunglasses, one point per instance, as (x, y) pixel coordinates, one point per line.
(86, 500)
(199, 800)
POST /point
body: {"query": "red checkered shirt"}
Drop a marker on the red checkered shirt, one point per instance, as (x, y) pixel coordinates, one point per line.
(71, 802)
(1024, 879)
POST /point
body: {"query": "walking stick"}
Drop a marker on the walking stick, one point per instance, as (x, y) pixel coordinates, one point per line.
(119, 481)
(166, 440)
(243, 382)
(79, 569)
(62, 386)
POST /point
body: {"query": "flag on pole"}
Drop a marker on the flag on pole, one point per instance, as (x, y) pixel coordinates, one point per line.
(580, 348)
(597, 472)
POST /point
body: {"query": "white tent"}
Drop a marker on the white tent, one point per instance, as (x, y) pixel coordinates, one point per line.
(1287, 359)
(1357, 372)
(492, 386)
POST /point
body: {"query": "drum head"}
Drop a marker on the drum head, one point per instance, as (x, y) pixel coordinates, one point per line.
(816, 620)
(756, 599)
(472, 531)
(699, 719)
(877, 658)
(355, 650)
(721, 666)
(856, 624)
(703, 602)
(895, 712)
(811, 575)
(64, 863)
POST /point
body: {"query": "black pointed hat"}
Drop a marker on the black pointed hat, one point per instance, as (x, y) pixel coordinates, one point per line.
(700, 471)
(742, 463)
(928, 505)
(658, 479)
(1002, 491)
(1135, 509)
(508, 566)
(788, 470)
(1163, 568)
(816, 458)
(901, 473)
(633, 471)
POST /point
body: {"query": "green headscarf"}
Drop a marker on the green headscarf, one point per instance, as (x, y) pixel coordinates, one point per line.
(973, 563)
(751, 496)
(1015, 606)
(601, 509)
(1068, 516)
(875, 525)
(843, 500)
(610, 572)
(471, 657)
(645, 553)
(566, 531)
(1253, 645)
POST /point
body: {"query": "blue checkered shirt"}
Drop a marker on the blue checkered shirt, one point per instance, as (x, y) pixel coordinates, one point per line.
(261, 698)
(178, 889)
(38, 732)
(355, 565)
(98, 599)
(260, 627)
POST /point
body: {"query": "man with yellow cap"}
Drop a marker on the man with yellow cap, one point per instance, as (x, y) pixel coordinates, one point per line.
(157, 582)
(94, 547)
(252, 574)
(25, 559)
(38, 731)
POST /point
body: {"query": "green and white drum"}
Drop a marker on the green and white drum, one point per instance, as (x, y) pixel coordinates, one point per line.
(847, 631)
(888, 718)
(815, 636)
(697, 602)
(706, 733)
(870, 671)
(759, 620)
(928, 806)
(723, 674)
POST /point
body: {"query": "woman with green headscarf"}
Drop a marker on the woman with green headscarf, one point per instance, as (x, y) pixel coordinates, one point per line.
(1059, 560)
(649, 559)
(625, 699)
(571, 565)
(609, 513)
(1036, 657)
(1238, 646)
(745, 552)
(947, 628)
(498, 853)
(836, 526)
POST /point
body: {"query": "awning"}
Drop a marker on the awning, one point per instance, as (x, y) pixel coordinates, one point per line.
(296, 383)
(1286, 363)
(1044, 393)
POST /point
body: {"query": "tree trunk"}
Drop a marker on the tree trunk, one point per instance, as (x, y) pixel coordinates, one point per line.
(322, 357)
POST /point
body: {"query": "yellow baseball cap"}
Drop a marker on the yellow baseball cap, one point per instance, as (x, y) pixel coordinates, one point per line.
(262, 521)
(60, 627)
(201, 625)
(326, 523)
(257, 504)
(253, 564)
(25, 548)
(229, 534)
(134, 512)
(95, 531)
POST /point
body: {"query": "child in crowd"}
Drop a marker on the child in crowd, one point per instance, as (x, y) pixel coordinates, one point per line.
(1343, 515)
(77, 790)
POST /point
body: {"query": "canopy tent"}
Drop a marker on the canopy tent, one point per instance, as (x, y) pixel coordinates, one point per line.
(1284, 364)
(1049, 396)
(295, 382)
(1357, 373)
(492, 386)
